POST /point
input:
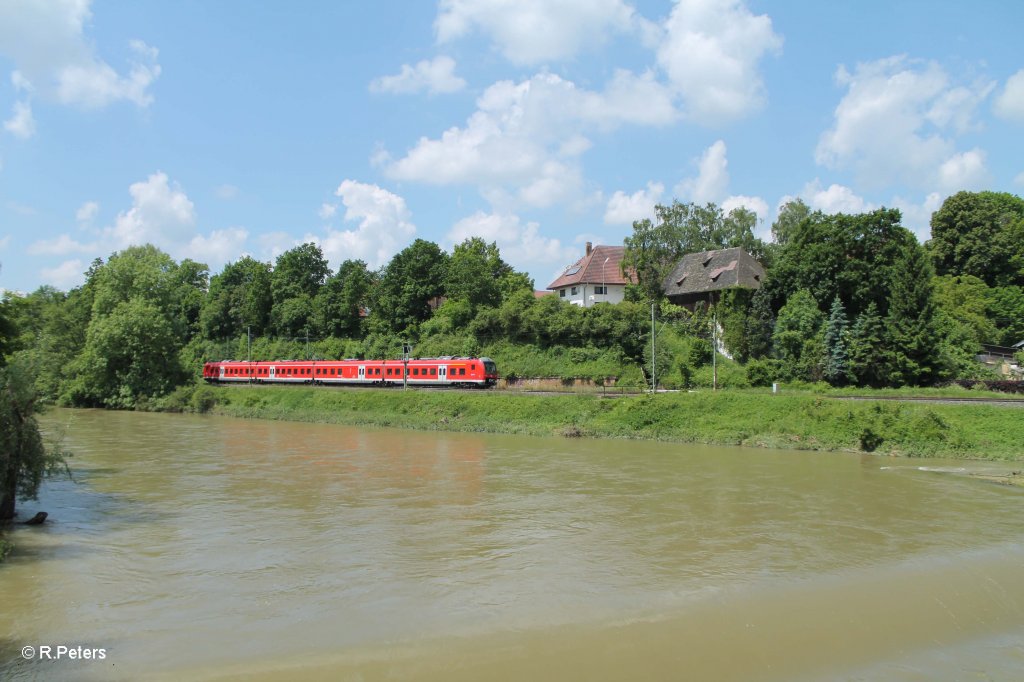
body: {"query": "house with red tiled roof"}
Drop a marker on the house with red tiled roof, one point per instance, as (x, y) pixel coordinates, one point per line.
(595, 278)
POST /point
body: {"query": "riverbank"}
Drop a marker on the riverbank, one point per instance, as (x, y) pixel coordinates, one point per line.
(806, 422)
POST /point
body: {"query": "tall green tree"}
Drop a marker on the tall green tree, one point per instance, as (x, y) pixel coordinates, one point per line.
(980, 234)
(912, 341)
(298, 275)
(797, 338)
(24, 457)
(475, 272)
(129, 355)
(867, 352)
(853, 256)
(411, 280)
(341, 304)
(836, 367)
(240, 299)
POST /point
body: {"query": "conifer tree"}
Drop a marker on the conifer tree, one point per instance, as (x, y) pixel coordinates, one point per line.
(836, 365)
(911, 338)
(866, 350)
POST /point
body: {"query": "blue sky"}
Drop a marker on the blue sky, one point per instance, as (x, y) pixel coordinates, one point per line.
(219, 129)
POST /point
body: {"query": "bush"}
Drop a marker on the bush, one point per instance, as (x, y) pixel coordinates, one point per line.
(763, 372)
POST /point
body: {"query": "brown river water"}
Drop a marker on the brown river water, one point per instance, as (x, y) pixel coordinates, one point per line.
(208, 548)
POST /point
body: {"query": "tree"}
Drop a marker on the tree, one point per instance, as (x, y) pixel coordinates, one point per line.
(413, 277)
(849, 255)
(24, 458)
(298, 275)
(759, 325)
(836, 366)
(788, 221)
(341, 304)
(866, 349)
(911, 336)
(129, 354)
(980, 234)
(797, 334)
(474, 274)
(240, 298)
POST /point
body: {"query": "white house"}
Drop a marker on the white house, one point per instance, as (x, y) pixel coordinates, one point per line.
(595, 278)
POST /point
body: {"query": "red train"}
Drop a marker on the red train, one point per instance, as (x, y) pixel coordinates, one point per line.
(445, 371)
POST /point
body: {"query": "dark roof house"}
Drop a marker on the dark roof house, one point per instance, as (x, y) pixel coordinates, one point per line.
(701, 276)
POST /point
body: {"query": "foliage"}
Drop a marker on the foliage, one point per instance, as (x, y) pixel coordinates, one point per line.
(129, 354)
(240, 298)
(474, 274)
(298, 275)
(836, 367)
(24, 457)
(798, 337)
(401, 299)
(980, 234)
(912, 341)
(342, 302)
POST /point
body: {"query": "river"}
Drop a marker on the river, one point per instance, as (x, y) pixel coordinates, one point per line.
(209, 548)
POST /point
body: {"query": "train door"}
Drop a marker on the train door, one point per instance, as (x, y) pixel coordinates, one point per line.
(362, 372)
(442, 373)
(272, 368)
(222, 371)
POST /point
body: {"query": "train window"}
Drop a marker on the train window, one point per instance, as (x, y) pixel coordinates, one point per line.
(462, 371)
(433, 371)
(415, 371)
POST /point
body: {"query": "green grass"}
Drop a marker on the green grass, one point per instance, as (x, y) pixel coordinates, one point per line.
(757, 419)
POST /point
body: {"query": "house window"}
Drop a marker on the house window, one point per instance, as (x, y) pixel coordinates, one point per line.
(574, 291)
(561, 293)
(600, 290)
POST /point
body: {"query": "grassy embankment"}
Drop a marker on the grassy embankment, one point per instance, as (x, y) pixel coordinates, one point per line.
(801, 421)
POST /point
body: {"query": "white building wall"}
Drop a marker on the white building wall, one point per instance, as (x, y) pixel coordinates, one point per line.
(586, 297)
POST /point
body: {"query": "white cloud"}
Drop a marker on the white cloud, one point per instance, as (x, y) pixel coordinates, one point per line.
(21, 123)
(47, 42)
(835, 199)
(756, 204)
(384, 225)
(435, 76)
(1010, 102)
(69, 274)
(1019, 180)
(711, 53)
(327, 211)
(522, 246)
(87, 212)
(219, 247)
(537, 31)
(226, 192)
(160, 214)
(624, 208)
(917, 217)
(527, 136)
(61, 245)
(712, 179)
(892, 126)
(964, 171)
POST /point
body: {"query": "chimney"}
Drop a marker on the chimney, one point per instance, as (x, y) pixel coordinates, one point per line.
(590, 247)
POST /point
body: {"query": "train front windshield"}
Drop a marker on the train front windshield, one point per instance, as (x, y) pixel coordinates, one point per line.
(489, 367)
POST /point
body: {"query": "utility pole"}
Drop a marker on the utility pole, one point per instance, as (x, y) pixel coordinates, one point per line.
(406, 350)
(248, 341)
(714, 348)
(653, 381)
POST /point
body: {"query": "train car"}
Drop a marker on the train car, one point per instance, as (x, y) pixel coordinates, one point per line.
(444, 371)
